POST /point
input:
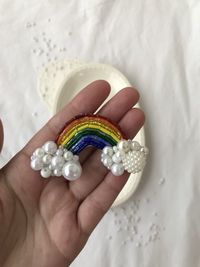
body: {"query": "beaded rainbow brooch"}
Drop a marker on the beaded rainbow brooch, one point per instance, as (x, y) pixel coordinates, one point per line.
(60, 158)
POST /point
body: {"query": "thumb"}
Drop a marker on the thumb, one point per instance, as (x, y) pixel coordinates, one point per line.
(1, 135)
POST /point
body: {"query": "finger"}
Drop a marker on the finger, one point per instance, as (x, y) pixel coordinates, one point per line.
(87, 101)
(125, 99)
(101, 198)
(1, 135)
(93, 169)
(95, 205)
(115, 109)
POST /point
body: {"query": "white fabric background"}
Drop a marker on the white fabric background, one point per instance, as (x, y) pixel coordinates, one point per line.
(156, 44)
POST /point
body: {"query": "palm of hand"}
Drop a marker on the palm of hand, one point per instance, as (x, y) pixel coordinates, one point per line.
(47, 222)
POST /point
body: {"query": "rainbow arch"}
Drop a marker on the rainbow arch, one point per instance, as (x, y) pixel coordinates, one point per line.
(89, 130)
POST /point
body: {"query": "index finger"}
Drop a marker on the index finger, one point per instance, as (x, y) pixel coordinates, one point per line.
(87, 101)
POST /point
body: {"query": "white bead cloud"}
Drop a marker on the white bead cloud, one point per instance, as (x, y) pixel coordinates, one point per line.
(52, 160)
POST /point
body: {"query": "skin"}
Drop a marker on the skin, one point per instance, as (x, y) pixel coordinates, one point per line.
(1, 135)
(47, 222)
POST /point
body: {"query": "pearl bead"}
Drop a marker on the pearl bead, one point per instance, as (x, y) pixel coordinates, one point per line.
(107, 161)
(115, 149)
(75, 158)
(36, 164)
(57, 162)
(116, 158)
(57, 172)
(117, 169)
(107, 150)
(145, 150)
(39, 152)
(129, 142)
(50, 147)
(47, 159)
(51, 167)
(120, 153)
(68, 155)
(59, 152)
(123, 145)
(33, 157)
(71, 170)
(135, 146)
(45, 172)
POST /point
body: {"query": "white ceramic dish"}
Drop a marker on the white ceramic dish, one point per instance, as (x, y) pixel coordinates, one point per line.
(78, 77)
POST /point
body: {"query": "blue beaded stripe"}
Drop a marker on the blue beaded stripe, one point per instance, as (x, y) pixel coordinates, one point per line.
(87, 132)
(89, 140)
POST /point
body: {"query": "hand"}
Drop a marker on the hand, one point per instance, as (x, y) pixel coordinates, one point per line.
(46, 222)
